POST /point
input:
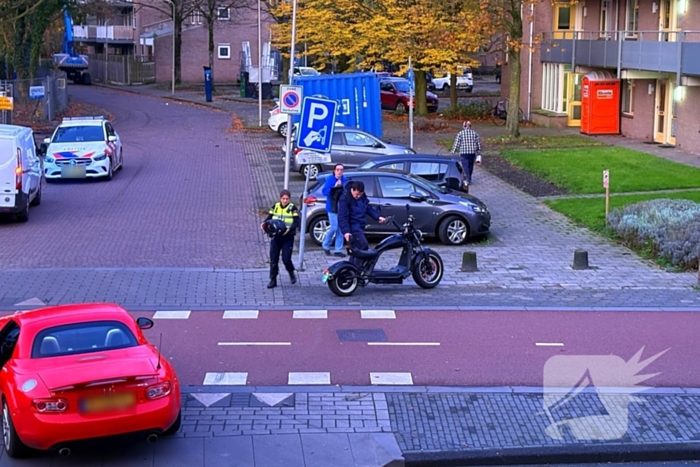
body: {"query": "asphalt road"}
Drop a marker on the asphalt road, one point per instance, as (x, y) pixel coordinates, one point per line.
(442, 348)
(184, 193)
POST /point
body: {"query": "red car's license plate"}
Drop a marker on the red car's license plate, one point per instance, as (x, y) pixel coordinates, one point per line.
(118, 401)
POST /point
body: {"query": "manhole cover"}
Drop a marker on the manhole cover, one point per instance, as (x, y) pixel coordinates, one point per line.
(361, 335)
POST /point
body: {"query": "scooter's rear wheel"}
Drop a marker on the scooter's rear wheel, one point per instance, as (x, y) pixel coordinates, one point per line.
(344, 282)
(428, 270)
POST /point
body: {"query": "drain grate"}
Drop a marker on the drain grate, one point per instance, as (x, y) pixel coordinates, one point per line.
(361, 335)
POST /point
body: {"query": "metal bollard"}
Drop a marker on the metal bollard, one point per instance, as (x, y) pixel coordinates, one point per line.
(580, 259)
(469, 261)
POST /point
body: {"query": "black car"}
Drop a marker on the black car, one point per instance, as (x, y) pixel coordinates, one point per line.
(443, 171)
(452, 216)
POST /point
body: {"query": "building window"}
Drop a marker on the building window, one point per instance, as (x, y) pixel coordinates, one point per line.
(553, 87)
(632, 18)
(196, 17)
(564, 20)
(224, 51)
(604, 18)
(223, 14)
(628, 97)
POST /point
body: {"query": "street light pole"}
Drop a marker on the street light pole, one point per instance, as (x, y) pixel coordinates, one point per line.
(260, 68)
(287, 158)
(173, 75)
(106, 54)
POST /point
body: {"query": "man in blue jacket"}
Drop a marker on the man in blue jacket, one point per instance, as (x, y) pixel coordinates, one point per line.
(353, 207)
(337, 181)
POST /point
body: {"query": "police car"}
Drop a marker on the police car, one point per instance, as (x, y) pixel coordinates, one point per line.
(83, 147)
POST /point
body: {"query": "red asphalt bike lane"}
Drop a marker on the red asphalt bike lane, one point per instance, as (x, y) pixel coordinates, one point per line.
(489, 348)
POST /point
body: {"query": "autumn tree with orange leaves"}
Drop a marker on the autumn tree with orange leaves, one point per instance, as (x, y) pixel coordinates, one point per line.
(363, 33)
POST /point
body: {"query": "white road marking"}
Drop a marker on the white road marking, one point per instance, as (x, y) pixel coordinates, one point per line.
(272, 398)
(310, 314)
(180, 314)
(549, 344)
(241, 314)
(404, 343)
(307, 378)
(208, 399)
(225, 379)
(377, 314)
(255, 343)
(391, 378)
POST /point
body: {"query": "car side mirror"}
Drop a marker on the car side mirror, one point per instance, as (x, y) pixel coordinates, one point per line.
(144, 323)
(47, 140)
(112, 139)
(415, 196)
(378, 145)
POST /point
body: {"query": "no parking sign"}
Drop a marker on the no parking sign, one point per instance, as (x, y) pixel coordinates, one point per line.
(290, 99)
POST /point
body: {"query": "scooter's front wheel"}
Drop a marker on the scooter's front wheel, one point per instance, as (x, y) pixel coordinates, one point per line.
(428, 270)
(344, 282)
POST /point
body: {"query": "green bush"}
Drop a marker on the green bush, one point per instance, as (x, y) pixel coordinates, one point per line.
(474, 110)
(668, 229)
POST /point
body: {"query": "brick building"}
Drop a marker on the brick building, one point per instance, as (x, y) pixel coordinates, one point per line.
(140, 30)
(652, 46)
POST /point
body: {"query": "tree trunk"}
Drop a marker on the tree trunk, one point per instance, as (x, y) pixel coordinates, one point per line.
(513, 118)
(453, 90)
(420, 98)
(177, 30)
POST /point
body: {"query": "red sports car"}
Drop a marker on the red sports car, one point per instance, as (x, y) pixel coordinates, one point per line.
(78, 372)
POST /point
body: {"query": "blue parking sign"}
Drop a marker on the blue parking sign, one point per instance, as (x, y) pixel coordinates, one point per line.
(317, 124)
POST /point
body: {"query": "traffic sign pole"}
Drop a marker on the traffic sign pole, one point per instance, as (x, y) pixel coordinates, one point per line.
(287, 157)
(412, 81)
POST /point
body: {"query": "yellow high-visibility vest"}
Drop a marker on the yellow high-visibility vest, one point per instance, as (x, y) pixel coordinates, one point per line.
(284, 214)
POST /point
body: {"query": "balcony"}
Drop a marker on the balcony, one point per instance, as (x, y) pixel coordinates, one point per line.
(103, 33)
(631, 50)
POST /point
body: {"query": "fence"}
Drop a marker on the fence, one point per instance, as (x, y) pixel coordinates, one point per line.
(122, 69)
(36, 100)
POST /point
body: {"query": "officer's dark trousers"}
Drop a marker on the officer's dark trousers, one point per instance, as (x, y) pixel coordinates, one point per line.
(283, 244)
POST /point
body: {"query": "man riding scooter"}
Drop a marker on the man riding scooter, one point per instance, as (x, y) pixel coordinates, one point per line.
(353, 207)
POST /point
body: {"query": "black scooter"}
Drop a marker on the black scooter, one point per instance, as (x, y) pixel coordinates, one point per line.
(343, 278)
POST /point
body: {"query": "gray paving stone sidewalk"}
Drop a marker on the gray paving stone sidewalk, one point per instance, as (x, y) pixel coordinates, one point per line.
(466, 422)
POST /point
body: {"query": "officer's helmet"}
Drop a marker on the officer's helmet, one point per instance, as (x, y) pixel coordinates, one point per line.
(274, 227)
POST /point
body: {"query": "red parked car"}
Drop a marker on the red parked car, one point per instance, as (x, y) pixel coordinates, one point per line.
(78, 372)
(395, 94)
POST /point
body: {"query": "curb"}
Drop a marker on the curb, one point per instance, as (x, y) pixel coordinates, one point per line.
(558, 454)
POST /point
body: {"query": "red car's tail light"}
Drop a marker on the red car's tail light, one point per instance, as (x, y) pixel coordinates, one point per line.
(50, 405)
(157, 391)
(310, 200)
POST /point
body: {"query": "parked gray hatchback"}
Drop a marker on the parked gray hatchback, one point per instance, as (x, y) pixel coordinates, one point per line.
(350, 147)
(451, 215)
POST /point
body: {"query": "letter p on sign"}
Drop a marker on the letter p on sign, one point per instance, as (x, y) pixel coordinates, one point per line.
(316, 112)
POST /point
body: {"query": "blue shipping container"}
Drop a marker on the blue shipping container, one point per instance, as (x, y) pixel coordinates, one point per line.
(357, 94)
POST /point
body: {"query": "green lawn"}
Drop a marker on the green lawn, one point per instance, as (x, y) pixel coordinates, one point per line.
(580, 170)
(590, 212)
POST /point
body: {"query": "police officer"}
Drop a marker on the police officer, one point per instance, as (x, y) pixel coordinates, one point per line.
(286, 212)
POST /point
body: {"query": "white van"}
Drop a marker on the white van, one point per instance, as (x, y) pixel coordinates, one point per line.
(21, 179)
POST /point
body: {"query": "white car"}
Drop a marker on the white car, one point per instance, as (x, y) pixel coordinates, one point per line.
(463, 82)
(278, 121)
(83, 147)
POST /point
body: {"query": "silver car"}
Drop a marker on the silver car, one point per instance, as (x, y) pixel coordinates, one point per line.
(350, 147)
